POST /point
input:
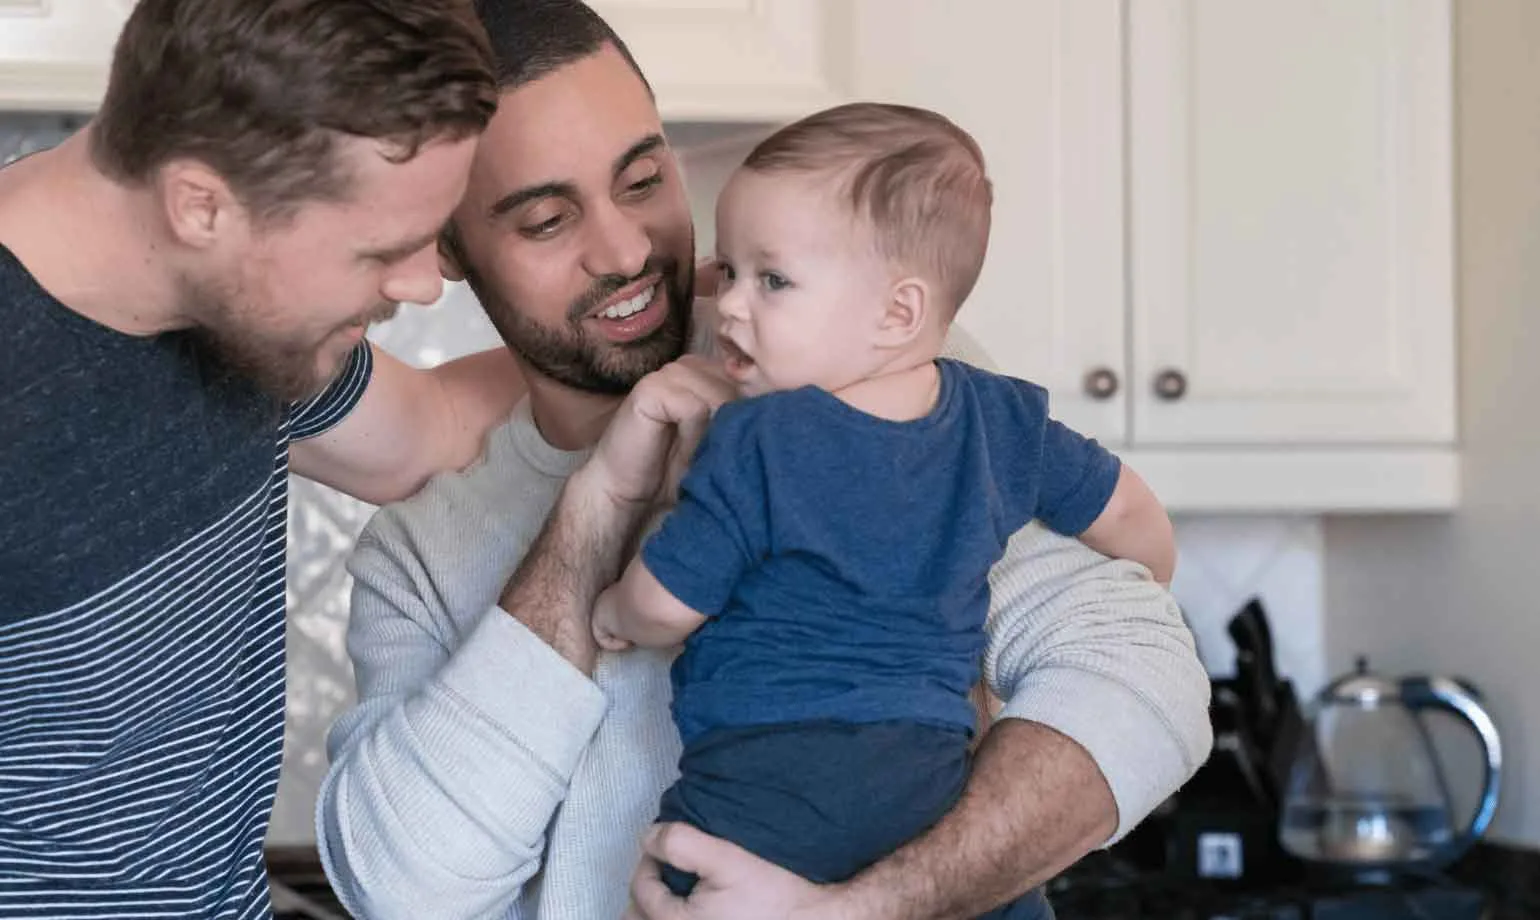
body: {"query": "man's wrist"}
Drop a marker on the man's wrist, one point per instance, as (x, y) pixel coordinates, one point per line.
(853, 900)
(576, 555)
(591, 490)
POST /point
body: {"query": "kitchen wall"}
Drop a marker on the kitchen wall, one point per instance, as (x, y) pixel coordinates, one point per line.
(1453, 594)
(1225, 560)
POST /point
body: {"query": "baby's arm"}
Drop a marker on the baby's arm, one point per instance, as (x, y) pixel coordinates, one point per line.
(686, 572)
(638, 610)
(1134, 526)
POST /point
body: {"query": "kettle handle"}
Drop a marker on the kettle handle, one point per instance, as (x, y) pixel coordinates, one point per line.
(1463, 700)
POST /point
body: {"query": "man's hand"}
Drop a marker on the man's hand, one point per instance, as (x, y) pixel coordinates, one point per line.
(655, 431)
(601, 508)
(734, 883)
(984, 853)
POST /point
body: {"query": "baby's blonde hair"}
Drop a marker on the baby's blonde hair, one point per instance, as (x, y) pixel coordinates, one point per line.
(914, 177)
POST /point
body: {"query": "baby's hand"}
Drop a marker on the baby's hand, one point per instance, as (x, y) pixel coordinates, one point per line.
(606, 622)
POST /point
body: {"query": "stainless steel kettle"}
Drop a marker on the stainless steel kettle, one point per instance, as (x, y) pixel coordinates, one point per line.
(1366, 791)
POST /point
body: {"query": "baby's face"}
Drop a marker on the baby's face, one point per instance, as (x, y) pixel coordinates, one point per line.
(803, 290)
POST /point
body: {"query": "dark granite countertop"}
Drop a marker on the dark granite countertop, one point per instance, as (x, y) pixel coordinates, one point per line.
(1509, 876)
(1103, 887)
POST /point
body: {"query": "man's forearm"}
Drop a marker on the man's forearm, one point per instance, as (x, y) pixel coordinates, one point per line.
(479, 392)
(578, 553)
(1035, 804)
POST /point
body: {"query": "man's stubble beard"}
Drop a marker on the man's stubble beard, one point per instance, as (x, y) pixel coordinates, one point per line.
(283, 365)
(573, 358)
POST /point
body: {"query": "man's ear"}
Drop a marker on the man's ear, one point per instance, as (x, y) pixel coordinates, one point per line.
(906, 314)
(449, 257)
(199, 205)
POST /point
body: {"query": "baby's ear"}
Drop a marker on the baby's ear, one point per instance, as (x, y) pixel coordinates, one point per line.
(906, 314)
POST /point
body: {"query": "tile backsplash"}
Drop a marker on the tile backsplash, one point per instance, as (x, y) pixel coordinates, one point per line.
(1224, 560)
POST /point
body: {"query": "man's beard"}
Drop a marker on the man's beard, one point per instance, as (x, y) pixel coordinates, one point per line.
(569, 356)
(281, 363)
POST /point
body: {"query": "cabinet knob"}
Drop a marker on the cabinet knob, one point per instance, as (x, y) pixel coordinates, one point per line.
(1101, 383)
(1170, 384)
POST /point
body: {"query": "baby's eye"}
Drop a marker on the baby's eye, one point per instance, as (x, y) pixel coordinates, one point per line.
(774, 281)
(726, 272)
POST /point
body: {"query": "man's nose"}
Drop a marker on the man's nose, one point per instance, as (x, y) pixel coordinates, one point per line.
(415, 279)
(617, 243)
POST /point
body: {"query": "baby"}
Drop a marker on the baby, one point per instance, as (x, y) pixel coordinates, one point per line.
(827, 564)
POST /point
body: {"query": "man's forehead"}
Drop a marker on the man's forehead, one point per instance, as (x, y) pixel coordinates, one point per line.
(401, 199)
(577, 119)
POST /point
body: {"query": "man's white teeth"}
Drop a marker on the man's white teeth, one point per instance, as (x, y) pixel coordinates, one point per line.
(627, 307)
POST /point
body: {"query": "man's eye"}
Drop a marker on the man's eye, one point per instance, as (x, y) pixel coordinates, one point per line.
(774, 281)
(543, 229)
(641, 187)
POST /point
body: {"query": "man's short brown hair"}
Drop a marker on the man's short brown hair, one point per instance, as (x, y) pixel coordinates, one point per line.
(912, 175)
(261, 90)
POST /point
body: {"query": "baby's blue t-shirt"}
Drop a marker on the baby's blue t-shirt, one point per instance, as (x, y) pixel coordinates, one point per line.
(842, 560)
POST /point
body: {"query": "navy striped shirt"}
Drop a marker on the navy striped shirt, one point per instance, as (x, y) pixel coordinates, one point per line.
(142, 525)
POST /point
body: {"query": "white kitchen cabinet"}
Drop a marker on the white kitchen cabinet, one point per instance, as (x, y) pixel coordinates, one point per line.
(1290, 238)
(54, 54)
(737, 60)
(1235, 215)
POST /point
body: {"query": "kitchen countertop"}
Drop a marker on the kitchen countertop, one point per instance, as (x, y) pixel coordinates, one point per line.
(1103, 887)
(1509, 876)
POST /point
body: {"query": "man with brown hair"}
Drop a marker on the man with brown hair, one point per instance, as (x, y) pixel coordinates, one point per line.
(185, 286)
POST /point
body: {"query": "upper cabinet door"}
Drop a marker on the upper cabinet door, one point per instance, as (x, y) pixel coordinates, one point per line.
(1291, 244)
(1038, 83)
(736, 60)
(54, 54)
